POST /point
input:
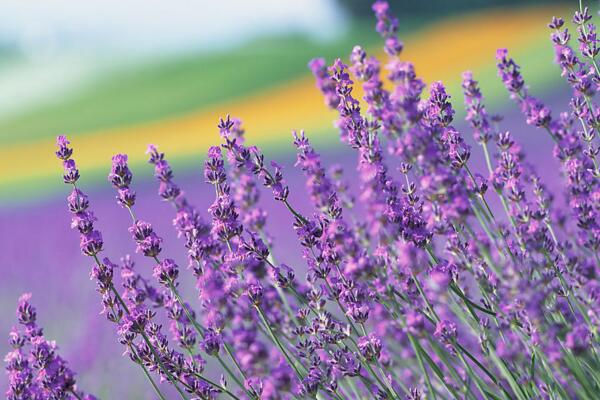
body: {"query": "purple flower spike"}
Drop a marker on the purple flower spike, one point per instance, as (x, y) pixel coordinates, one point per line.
(476, 113)
(509, 71)
(25, 312)
(255, 293)
(211, 343)
(318, 68)
(91, 243)
(71, 174)
(34, 368)
(425, 277)
(387, 26)
(370, 347)
(120, 176)
(166, 272)
(440, 111)
(64, 151)
(446, 332)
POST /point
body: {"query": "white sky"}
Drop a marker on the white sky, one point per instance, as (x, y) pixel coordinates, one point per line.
(43, 26)
(68, 43)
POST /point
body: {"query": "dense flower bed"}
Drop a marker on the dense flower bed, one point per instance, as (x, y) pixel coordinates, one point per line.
(417, 288)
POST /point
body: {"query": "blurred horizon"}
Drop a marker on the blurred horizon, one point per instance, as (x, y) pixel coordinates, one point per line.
(95, 91)
(59, 45)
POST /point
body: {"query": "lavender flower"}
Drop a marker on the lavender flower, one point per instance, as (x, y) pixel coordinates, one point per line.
(324, 83)
(387, 26)
(34, 369)
(417, 288)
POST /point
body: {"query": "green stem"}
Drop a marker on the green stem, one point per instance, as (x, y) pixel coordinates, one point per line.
(473, 375)
(143, 334)
(271, 261)
(277, 342)
(421, 364)
(200, 331)
(149, 377)
(342, 308)
(162, 366)
(585, 32)
(389, 385)
(237, 365)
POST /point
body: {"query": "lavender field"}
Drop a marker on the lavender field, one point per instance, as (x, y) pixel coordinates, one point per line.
(455, 256)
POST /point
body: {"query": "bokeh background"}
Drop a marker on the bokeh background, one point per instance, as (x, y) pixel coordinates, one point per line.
(117, 75)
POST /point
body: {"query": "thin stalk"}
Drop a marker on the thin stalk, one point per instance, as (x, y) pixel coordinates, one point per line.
(396, 315)
(437, 370)
(285, 201)
(225, 345)
(516, 388)
(489, 210)
(473, 375)
(371, 371)
(238, 367)
(162, 366)
(481, 196)
(484, 225)
(197, 327)
(470, 302)
(488, 159)
(214, 384)
(143, 334)
(270, 259)
(342, 308)
(277, 342)
(380, 367)
(304, 302)
(437, 319)
(480, 366)
(152, 383)
(353, 387)
(421, 364)
(585, 32)
(190, 318)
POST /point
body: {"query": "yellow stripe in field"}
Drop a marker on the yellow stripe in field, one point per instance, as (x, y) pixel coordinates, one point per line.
(440, 52)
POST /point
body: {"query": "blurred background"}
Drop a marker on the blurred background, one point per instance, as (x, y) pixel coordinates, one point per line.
(117, 75)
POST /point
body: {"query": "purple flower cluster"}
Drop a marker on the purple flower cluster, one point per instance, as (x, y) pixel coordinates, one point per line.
(34, 368)
(387, 26)
(91, 242)
(418, 288)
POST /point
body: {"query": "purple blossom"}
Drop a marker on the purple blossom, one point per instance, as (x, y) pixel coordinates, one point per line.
(211, 342)
(64, 152)
(439, 111)
(419, 286)
(446, 332)
(324, 82)
(578, 340)
(34, 368)
(91, 243)
(166, 272)
(370, 347)
(476, 113)
(387, 26)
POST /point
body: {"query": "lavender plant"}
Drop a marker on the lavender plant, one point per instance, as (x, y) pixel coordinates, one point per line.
(424, 291)
(35, 370)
